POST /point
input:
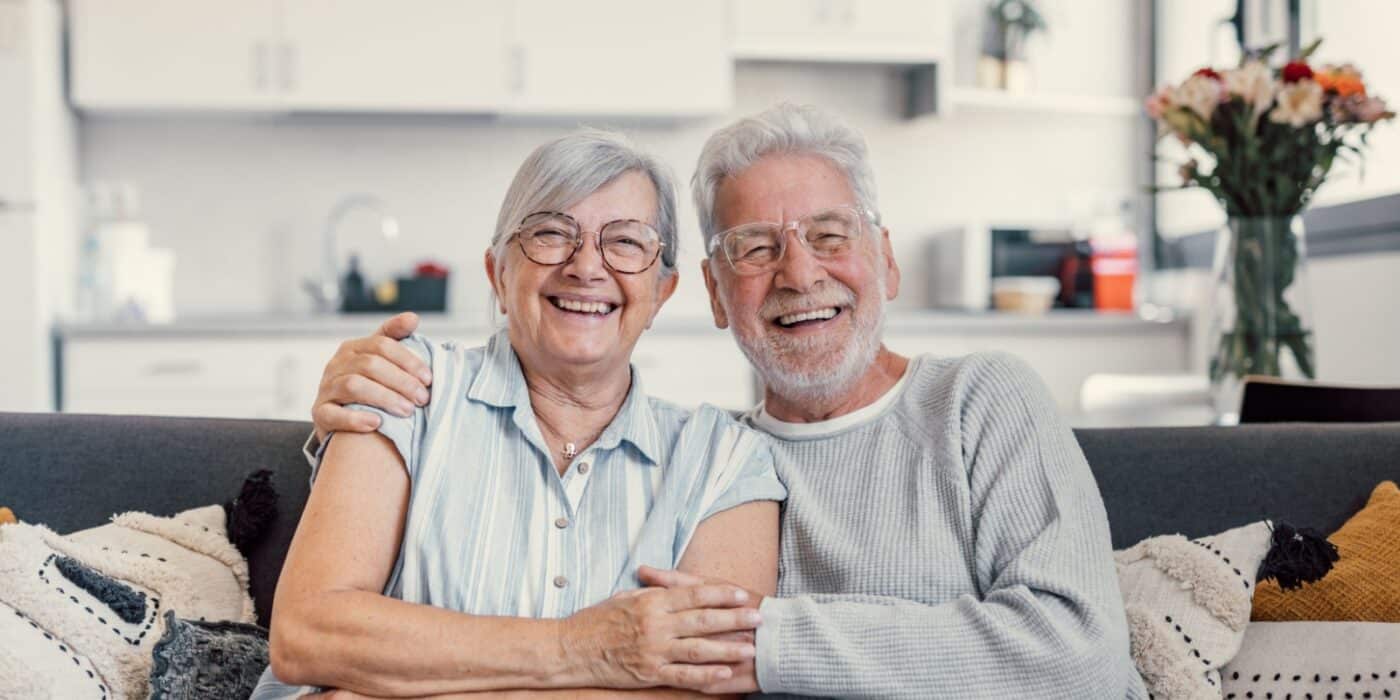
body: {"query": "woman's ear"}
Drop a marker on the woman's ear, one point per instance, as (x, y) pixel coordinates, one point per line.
(665, 288)
(496, 284)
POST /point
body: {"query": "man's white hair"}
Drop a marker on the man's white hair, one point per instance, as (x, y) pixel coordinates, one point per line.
(783, 128)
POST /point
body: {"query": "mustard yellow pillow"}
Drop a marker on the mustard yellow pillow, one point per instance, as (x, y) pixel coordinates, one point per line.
(1364, 585)
(7, 516)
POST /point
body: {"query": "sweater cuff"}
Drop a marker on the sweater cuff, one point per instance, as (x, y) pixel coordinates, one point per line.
(773, 611)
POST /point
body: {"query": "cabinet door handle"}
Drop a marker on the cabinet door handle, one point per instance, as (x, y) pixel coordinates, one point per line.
(260, 66)
(287, 65)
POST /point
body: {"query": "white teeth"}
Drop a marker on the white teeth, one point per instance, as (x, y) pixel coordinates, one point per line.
(586, 307)
(821, 314)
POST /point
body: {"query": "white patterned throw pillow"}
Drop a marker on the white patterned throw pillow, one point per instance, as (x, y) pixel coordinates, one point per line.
(1188, 601)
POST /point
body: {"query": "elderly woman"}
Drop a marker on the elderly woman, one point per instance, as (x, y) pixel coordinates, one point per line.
(489, 540)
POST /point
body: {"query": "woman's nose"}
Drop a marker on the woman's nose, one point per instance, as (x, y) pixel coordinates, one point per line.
(587, 263)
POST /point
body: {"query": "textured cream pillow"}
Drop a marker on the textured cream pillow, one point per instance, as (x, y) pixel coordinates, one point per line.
(1187, 604)
(96, 600)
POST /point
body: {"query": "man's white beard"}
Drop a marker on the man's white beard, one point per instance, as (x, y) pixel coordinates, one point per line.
(803, 369)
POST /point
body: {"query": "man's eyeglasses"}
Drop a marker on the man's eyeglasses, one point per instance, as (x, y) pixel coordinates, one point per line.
(758, 247)
(627, 246)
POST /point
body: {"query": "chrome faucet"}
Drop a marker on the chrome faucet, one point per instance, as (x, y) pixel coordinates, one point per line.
(327, 292)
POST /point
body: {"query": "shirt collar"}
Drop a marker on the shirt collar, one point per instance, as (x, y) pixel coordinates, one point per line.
(501, 383)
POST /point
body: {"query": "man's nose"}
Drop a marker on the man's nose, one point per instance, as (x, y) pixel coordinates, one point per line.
(587, 263)
(799, 270)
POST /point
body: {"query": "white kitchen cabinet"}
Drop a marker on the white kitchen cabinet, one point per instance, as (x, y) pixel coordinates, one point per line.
(248, 375)
(406, 55)
(174, 54)
(274, 55)
(532, 57)
(223, 377)
(619, 57)
(858, 31)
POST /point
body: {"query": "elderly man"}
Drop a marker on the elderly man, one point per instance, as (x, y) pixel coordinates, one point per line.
(943, 535)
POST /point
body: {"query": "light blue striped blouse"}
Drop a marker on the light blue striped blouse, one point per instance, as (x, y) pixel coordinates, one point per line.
(493, 529)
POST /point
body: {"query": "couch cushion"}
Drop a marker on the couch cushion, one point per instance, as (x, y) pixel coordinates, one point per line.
(72, 472)
(1365, 583)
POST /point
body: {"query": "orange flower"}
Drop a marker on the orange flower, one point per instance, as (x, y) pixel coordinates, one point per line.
(1342, 80)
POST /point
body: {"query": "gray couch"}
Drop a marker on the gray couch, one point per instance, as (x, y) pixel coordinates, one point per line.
(73, 471)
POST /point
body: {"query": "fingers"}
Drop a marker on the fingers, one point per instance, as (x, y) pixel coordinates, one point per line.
(355, 388)
(702, 623)
(692, 677)
(331, 418)
(667, 578)
(696, 651)
(396, 353)
(709, 596)
(400, 326)
(391, 376)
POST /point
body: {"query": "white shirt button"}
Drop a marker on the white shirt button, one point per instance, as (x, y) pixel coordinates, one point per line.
(560, 582)
(583, 467)
(561, 523)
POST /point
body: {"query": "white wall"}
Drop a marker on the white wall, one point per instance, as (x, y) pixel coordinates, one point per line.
(241, 199)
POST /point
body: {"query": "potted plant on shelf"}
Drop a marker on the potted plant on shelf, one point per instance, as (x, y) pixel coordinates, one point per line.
(1262, 140)
(1003, 63)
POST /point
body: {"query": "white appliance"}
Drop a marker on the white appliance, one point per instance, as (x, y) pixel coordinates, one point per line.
(959, 270)
(37, 176)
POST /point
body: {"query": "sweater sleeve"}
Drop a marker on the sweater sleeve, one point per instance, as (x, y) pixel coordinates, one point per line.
(1048, 622)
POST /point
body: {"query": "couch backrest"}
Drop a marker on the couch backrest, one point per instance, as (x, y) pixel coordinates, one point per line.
(73, 471)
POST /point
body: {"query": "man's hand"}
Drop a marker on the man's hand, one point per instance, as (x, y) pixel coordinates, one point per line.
(744, 678)
(375, 370)
(656, 637)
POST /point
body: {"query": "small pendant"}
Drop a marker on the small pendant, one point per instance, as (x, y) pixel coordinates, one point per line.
(570, 450)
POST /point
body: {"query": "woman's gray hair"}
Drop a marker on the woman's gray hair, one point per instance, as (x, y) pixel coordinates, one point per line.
(783, 128)
(563, 172)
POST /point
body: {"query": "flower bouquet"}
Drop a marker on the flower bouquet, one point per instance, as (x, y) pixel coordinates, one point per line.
(1262, 140)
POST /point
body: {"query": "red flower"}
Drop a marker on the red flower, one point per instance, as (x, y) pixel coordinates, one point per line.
(1295, 71)
(1209, 73)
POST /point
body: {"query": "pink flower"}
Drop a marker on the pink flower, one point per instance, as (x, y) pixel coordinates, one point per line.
(1371, 110)
(1158, 102)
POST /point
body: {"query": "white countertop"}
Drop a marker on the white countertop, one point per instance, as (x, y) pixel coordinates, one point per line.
(447, 325)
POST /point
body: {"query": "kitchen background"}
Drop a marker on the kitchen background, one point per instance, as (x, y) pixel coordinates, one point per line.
(232, 130)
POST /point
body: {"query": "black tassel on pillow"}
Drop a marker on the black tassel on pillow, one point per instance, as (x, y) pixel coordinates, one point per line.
(251, 512)
(1297, 556)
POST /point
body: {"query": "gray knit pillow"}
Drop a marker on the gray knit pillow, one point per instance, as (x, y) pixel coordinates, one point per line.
(197, 659)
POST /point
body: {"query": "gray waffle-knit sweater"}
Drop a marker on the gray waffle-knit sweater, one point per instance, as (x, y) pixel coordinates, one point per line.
(952, 546)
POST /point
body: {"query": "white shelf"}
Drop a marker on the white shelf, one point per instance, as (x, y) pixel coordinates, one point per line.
(980, 99)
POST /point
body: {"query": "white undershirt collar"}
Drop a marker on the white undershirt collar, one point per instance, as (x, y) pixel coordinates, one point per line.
(760, 418)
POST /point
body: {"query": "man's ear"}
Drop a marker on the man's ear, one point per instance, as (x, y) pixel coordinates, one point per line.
(666, 288)
(490, 262)
(716, 308)
(891, 267)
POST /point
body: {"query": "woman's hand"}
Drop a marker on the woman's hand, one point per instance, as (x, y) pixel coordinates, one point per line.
(376, 371)
(656, 637)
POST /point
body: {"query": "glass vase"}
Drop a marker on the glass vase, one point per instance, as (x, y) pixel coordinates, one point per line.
(1261, 321)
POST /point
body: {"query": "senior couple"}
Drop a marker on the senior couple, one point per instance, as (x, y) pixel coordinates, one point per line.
(521, 520)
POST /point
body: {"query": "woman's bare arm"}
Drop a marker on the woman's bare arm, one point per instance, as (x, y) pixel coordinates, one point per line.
(333, 627)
